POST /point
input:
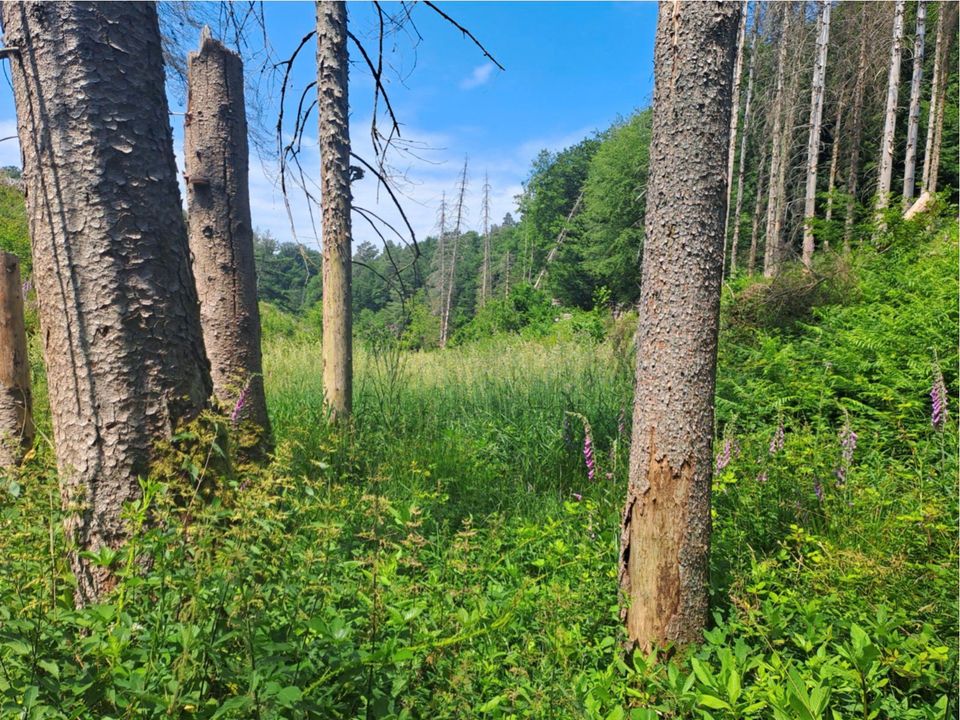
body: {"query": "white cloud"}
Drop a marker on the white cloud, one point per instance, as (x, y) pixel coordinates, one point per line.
(480, 76)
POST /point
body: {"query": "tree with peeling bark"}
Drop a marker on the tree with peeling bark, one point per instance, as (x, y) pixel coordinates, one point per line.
(221, 234)
(913, 119)
(885, 179)
(16, 403)
(118, 309)
(813, 142)
(735, 116)
(335, 199)
(665, 535)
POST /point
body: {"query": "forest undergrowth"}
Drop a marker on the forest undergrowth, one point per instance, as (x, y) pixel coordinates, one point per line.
(453, 554)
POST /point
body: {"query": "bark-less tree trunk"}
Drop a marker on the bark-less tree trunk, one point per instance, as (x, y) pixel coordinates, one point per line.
(221, 234)
(485, 272)
(452, 280)
(665, 537)
(334, 134)
(950, 21)
(813, 141)
(778, 139)
(734, 120)
(853, 172)
(913, 121)
(935, 99)
(890, 115)
(16, 405)
(118, 307)
(745, 134)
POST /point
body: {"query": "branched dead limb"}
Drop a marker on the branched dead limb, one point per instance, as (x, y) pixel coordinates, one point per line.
(466, 33)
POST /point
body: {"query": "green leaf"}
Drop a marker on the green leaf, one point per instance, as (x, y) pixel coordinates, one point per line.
(714, 703)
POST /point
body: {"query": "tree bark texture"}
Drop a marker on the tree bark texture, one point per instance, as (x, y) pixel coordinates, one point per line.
(913, 119)
(834, 158)
(935, 98)
(16, 404)
(118, 307)
(335, 198)
(885, 179)
(665, 537)
(221, 233)
(817, 86)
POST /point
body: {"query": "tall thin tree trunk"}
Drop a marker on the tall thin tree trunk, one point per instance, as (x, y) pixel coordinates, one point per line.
(448, 305)
(118, 307)
(913, 121)
(744, 136)
(778, 139)
(734, 120)
(834, 160)
(890, 115)
(16, 403)
(221, 234)
(950, 11)
(853, 171)
(813, 141)
(757, 213)
(334, 133)
(485, 274)
(665, 535)
(935, 98)
(442, 252)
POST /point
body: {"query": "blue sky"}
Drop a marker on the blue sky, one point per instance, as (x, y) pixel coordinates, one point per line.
(571, 68)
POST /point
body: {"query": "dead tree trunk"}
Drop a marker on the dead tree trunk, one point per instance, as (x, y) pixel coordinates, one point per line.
(665, 536)
(935, 99)
(734, 119)
(853, 171)
(118, 306)
(890, 115)
(16, 404)
(913, 121)
(452, 280)
(949, 12)
(744, 136)
(221, 234)
(334, 133)
(778, 157)
(813, 141)
(757, 213)
(552, 255)
(485, 272)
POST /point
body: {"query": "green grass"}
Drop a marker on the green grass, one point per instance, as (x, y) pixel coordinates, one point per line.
(433, 560)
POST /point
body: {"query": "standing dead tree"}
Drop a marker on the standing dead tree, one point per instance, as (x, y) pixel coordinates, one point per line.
(817, 87)
(118, 308)
(890, 116)
(913, 119)
(221, 234)
(665, 533)
(16, 403)
(455, 239)
(485, 278)
(558, 243)
(335, 199)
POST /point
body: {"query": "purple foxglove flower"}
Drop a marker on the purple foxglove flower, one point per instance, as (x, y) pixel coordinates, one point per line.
(622, 421)
(762, 477)
(723, 457)
(938, 402)
(588, 457)
(818, 489)
(776, 442)
(241, 401)
(577, 496)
